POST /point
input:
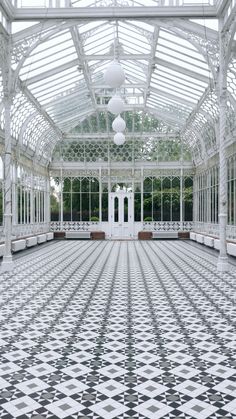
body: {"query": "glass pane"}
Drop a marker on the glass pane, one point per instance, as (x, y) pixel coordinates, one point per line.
(85, 207)
(126, 209)
(116, 210)
(66, 206)
(75, 207)
(166, 202)
(95, 205)
(147, 207)
(157, 206)
(137, 207)
(105, 207)
(54, 205)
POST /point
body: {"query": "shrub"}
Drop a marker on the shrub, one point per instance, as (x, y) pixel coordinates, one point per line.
(94, 219)
(148, 219)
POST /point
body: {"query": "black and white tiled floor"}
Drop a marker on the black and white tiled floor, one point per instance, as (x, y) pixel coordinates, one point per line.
(118, 330)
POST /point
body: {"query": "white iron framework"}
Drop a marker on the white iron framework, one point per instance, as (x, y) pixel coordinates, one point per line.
(180, 107)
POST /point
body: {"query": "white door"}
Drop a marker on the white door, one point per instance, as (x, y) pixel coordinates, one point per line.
(121, 214)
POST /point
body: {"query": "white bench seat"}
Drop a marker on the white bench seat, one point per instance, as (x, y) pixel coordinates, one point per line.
(78, 234)
(18, 245)
(217, 244)
(231, 249)
(192, 236)
(42, 238)
(31, 241)
(50, 235)
(165, 235)
(209, 241)
(2, 247)
(200, 238)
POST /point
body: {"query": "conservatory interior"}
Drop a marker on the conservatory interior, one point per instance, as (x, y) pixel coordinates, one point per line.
(118, 116)
(117, 209)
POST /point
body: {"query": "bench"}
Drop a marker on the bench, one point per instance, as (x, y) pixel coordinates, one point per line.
(18, 245)
(159, 235)
(192, 236)
(200, 238)
(2, 247)
(50, 236)
(209, 241)
(231, 249)
(42, 238)
(82, 235)
(31, 241)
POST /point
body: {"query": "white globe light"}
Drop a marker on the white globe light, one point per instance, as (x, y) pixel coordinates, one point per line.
(114, 75)
(115, 105)
(118, 124)
(119, 138)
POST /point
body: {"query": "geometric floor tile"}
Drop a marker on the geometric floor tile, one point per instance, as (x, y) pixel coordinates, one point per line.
(150, 388)
(191, 388)
(64, 407)
(227, 387)
(31, 386)
(117, 330)
(111, 388)
(70, 387)
(21, 406)
(108, 409)
(153, 409)
(197, 409)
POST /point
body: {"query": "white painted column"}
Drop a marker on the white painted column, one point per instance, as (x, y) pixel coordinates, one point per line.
(181, 199)
(61, 202)
(222, 264)
(100, 195)
(7, 263)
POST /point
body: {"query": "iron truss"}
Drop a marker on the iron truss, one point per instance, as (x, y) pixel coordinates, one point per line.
(170, 57)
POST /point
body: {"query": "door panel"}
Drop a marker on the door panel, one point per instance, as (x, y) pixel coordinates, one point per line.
(121, 214)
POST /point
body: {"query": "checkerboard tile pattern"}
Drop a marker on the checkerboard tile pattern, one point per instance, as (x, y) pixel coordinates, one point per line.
(118, 330)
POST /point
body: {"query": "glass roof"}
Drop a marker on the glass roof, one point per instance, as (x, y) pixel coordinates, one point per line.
(61, 73)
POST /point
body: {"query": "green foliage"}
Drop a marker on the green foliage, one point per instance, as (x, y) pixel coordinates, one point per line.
(148, 219)
(94, 219)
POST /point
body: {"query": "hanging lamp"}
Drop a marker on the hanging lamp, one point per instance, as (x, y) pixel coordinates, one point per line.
(114, 75)
(119, 138)
(118, 124)
(116, 105)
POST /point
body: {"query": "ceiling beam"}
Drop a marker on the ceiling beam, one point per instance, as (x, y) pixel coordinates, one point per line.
(151, 64)
(83, 64)
(101, 135)
(7, 7)
(151, 12)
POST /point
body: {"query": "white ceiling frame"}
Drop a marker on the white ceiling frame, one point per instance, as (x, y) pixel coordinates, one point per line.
(115, 12)
(151, 64)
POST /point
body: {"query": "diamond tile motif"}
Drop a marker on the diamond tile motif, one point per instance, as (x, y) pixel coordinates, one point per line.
(150, 388)
(153, 409)
(109, 409)
(31, 386)
(20, 406)
(118, 330)
(111, 388)
(64, 407)
(70, 387)
(197, 409)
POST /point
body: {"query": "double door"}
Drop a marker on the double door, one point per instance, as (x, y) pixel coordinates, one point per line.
(121, 214)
